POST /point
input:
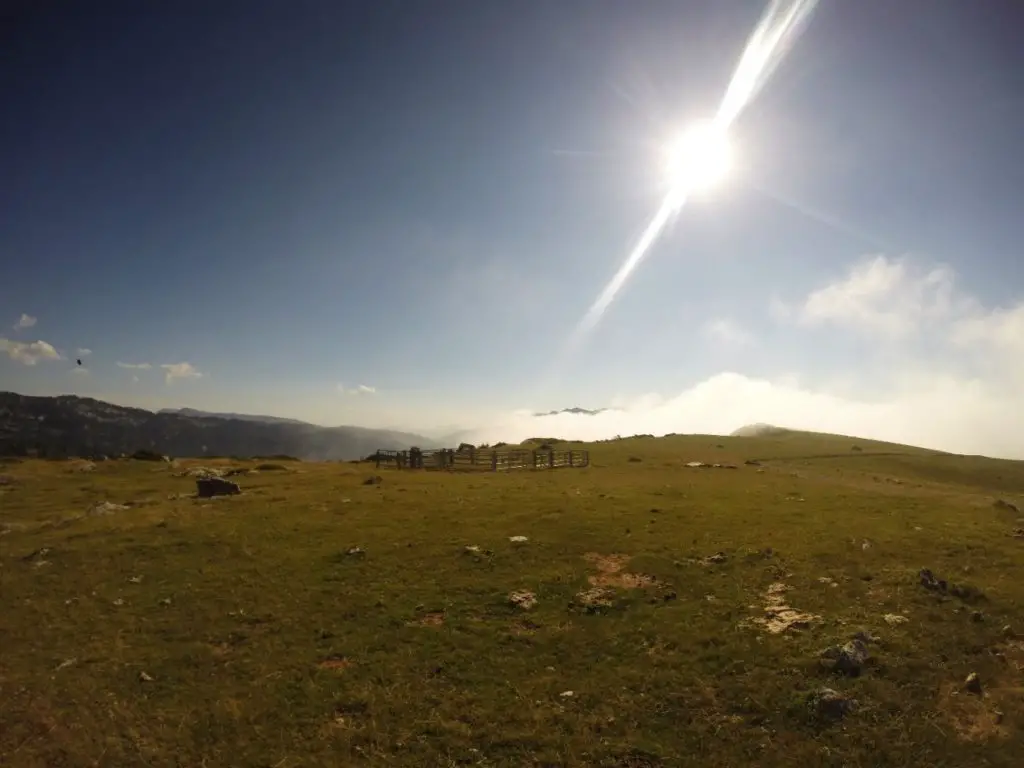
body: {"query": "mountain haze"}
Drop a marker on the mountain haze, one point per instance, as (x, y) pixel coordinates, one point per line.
(76, 426)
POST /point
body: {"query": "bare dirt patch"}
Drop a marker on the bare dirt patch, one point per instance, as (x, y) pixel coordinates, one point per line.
(972, 717)
(432, 619)
(524, 627)
(335, 663)
(611, 572)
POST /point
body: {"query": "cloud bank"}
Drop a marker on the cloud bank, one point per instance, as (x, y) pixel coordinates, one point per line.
(29, 353)
(954, 377)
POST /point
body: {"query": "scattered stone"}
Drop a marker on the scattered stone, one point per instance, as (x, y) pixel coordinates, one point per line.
(567, 694)
(931, 582)
(208, 487)
(38, 554)
(865, 636)
(973, 683)
(826, 702)
(105, 508)
(355, 552)
(165, 601)
(780, 617)
(894, 619)
(134, 579)
(716, 559)
(145, 677)
(594, 599)
(752, 463)
(64, 664)
(373, 480)
(1003, 504)
(828, 580)
(518, 539)
(472, 549)
(85, 466)
(523, 600)
(847, 659)
(200, 472)
(865, 545)
(977, 617)
(934, 584)
(119, 601)
(695, 464)
(1007, 631)
(1018, 533)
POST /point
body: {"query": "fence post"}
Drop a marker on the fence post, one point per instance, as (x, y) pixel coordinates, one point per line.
(551, 459)
(494, 461)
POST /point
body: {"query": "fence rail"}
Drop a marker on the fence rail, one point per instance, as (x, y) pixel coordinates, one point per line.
(482, 459)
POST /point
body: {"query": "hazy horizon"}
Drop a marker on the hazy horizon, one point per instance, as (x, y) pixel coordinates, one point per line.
(391, 216)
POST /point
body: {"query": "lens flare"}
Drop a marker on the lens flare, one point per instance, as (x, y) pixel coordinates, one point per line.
(707, 160)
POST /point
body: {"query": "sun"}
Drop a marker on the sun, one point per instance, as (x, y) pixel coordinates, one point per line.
(701, 158)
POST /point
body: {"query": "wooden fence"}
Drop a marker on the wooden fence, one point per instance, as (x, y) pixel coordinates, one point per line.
(482, 459)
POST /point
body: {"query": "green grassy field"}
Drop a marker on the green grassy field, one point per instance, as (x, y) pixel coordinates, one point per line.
(245, 631)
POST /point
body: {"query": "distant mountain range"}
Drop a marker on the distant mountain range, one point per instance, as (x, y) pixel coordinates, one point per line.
(240, 416)
(577, 411)
(77, 426)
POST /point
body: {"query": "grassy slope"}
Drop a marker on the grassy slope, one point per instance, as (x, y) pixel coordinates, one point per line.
(438, 669)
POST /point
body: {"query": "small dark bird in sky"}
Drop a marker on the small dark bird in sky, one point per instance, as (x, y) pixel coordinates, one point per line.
(79, 362)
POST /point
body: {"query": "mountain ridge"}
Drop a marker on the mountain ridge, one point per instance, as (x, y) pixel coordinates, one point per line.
(69, 425)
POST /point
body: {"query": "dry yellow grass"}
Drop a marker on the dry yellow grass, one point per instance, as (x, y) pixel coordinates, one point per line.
(314, 620)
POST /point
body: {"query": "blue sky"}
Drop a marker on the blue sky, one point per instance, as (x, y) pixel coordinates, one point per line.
(278, 207)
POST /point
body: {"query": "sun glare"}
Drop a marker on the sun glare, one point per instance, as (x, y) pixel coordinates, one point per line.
(698, 160)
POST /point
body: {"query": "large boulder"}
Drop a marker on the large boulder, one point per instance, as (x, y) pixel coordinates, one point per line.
(207, 487)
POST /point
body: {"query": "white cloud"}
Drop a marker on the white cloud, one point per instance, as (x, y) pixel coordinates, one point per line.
(25, 321)
(892, 297)
(79, 371)
(998, 329)
(362, 389)
(29, 353)
(174, 371)
(951, 375)
(726, 331)
(83, 352)
(135, 366)
(972, 420)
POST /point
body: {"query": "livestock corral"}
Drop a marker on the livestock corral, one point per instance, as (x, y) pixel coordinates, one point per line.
(472, 458)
